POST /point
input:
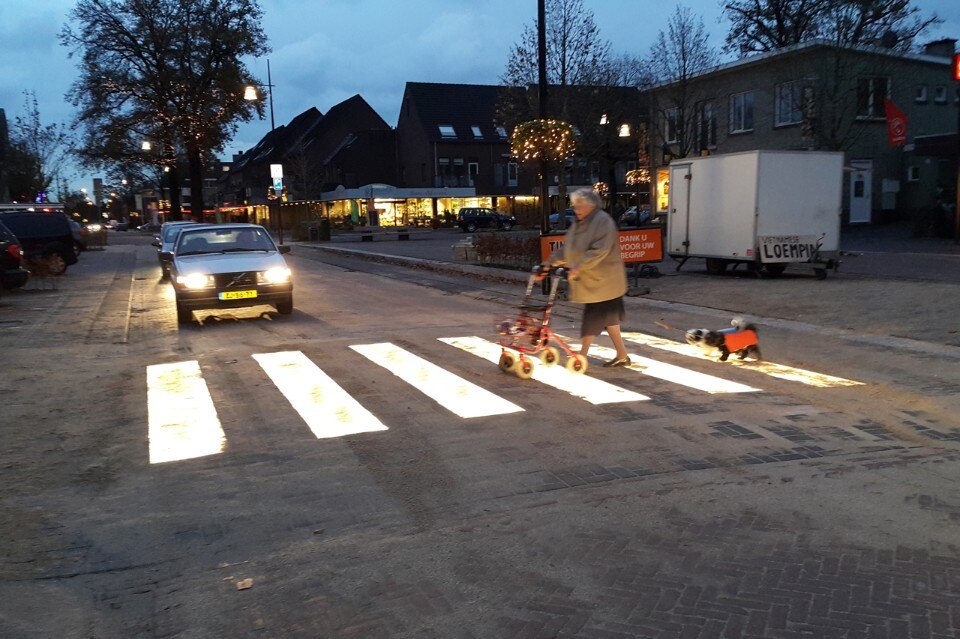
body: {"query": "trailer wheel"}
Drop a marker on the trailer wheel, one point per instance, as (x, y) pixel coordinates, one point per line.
(776, 270)
(716, 266)
(820, 273)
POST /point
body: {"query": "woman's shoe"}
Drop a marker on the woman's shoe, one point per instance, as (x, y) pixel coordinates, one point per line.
(617, 361)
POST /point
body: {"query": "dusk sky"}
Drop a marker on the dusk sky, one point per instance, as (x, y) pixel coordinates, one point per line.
(325, 51)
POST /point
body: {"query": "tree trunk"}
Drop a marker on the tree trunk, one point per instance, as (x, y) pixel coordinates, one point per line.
(196, 181)
(173, 183)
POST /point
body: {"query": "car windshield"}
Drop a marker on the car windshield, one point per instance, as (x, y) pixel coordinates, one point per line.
(228, 240)
(170, 232)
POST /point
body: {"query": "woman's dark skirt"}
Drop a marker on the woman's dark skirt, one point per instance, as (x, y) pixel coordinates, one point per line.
(599, 315)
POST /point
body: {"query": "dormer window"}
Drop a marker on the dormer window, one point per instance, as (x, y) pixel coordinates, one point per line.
(476, 132)
(446, 131)
(502, 132)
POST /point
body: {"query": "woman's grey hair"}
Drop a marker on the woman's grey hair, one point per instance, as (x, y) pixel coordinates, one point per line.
(586, 195)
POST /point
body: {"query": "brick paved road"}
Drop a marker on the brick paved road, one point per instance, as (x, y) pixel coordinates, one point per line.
(793, 511)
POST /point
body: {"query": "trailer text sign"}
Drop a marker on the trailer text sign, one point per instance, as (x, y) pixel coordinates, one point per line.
(787, 248)
(636, 245)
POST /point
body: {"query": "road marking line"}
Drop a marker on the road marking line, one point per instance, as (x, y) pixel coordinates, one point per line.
(454, 393)
(671, 373)
(182, 420)
(327, 409)
(589, 388)
(769, 368)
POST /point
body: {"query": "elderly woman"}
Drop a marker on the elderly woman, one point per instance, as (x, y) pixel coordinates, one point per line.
(598, 279)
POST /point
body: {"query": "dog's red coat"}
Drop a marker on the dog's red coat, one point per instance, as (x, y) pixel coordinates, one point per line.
(739, 340)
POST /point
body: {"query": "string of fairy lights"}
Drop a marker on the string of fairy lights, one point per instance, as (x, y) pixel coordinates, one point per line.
(547, 140)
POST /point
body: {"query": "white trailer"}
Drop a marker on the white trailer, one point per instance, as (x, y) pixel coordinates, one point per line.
(767, 209)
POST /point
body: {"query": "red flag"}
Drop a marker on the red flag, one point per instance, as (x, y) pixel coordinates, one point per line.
(896, 124)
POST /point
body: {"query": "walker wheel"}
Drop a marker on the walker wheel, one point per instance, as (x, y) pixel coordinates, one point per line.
(549, 356)
(524, 368)
(576, 363)
(507, 362)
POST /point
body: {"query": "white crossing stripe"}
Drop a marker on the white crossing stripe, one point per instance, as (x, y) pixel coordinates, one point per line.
(671, 373)
(589, 388)
(454, 393)
(773, 370)
(182, 420)
(327, 409)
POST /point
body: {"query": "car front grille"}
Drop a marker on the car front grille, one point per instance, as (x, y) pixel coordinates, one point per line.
(236, 280)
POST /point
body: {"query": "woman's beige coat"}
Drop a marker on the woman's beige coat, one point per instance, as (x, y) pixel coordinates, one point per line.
(593, 246)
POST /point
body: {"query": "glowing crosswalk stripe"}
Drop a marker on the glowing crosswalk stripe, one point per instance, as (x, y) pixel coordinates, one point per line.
(454, 393)
(773, 370)
(182, 420)
(675, 374)
(327, 409)
(589, 388)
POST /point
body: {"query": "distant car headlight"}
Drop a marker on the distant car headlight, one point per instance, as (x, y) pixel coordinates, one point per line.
(276, 275)
(94, 228)
(196, 280)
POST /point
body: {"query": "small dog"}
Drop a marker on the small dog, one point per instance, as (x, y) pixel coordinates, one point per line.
(742, 339)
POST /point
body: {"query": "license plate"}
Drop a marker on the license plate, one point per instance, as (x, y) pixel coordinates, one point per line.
(237, 295)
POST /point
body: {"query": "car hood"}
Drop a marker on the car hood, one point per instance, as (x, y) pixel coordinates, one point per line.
(213, 263)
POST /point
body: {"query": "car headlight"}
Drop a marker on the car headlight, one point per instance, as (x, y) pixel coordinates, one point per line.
(276, 275)
(93, 228)
(195, 280)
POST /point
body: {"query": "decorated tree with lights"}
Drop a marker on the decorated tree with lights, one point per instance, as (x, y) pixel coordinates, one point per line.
(548, 143)
(171, 69)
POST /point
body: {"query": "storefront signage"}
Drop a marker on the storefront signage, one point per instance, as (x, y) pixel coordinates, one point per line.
(787, 248)
(636, 245)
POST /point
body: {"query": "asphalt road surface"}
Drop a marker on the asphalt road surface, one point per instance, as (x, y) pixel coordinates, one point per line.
(360, 468)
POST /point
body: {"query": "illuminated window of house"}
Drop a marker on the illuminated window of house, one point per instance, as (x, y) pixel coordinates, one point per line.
(502, 132)
(447, 131)
(476, 132)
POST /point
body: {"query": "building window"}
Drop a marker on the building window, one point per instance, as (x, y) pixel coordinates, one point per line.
(594, 172)
(940, 94)
(921, 96)
(741, 112)
(446, 131)
(502, 132)
(789, 104)
(913, 174)
(671, 134)
(473, 168)
(706, 127)
(476, 132)
(511, 174)
(871, 93)
(631, 165)
(423, 171)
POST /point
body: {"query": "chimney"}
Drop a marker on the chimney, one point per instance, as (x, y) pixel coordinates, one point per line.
(940, 48)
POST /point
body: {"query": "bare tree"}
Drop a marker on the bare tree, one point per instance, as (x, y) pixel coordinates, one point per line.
(37, 151)
(678, 57)
(767, 25)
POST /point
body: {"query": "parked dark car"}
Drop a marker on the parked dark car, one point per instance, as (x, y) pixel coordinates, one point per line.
(635, 217)
(12, 275)
(569, 218)
(471, 219)
(46, 236)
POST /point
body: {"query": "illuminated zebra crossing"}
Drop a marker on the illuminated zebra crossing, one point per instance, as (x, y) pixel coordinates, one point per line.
(183, 422)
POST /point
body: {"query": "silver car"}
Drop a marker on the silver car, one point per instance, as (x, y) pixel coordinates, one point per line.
(164, 243)
(228, 266)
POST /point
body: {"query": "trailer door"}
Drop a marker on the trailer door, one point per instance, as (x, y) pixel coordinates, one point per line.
(678, 217)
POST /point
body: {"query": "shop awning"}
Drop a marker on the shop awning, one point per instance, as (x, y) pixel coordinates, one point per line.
(386, 191)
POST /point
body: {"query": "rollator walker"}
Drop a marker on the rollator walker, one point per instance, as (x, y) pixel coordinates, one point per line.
(529, 334)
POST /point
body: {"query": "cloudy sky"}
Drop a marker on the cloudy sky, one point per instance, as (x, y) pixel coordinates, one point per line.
(325, 51)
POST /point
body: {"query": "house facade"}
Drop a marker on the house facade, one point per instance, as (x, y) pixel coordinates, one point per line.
(815, 96)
